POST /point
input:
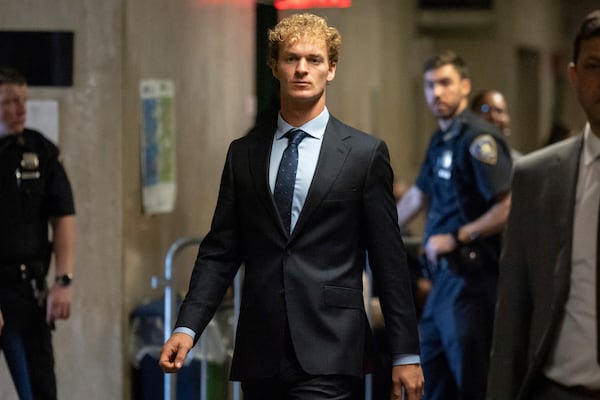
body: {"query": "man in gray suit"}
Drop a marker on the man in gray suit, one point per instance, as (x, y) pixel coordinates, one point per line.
(303, 331)
(545, 335)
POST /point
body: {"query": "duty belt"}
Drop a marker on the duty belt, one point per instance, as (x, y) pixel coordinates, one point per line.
(14, 274)
(32, 274)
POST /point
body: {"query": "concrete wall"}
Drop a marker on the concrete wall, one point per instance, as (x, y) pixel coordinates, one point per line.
(208, 53)
(89, 346)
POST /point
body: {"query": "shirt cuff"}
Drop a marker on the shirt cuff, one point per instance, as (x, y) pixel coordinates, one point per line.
(405, 359)
(187, 331)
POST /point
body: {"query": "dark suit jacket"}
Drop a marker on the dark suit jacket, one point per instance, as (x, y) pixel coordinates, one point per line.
(535, 267)
(311, 280)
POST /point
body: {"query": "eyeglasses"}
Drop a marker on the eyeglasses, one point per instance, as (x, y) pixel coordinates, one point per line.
(487, 109)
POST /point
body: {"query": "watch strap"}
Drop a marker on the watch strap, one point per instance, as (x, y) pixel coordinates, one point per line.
(64, 279)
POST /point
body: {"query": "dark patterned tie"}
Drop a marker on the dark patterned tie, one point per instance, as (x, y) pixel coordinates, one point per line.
(286, 176)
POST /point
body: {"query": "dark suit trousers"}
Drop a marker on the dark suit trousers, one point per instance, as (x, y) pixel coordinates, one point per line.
(292, 383)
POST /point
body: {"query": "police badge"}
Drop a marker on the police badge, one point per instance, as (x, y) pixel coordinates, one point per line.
(485, 149)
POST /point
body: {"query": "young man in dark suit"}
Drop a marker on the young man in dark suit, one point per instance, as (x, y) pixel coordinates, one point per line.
(303, 330)
(545, 342)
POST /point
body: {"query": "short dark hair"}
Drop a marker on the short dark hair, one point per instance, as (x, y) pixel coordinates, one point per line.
(589, 28)
(447, 57)
(11, 75)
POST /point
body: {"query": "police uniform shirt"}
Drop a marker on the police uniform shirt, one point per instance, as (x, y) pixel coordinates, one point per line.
(466, 167)
(33, 188)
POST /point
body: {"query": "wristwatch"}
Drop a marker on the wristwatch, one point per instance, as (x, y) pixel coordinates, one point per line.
(472, 237)
(64, 280)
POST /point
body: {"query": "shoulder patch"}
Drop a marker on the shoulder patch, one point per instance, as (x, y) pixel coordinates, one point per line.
(485, 149)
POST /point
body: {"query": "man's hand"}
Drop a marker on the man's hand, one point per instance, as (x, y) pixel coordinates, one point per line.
(174, 352)
(410, 378)
(439, 244)
(1, 322)
(58, 305)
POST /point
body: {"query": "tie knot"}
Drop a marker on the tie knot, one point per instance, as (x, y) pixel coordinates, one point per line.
(295, 136)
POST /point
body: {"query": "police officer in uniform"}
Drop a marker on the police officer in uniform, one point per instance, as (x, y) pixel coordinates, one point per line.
(34, 194)
(464, 183)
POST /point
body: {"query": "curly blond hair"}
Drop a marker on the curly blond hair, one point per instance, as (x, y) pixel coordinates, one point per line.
(299, 26)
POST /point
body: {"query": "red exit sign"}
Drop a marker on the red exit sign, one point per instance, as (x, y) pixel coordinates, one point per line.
(300, 4)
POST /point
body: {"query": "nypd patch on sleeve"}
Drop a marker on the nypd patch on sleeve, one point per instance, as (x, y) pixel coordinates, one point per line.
(485, 149)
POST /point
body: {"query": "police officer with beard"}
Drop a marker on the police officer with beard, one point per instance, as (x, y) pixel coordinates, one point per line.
(34, 194)
(464, 182)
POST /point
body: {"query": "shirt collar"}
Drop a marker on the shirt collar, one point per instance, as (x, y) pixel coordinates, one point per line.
(591, 147)
(453, 128)
(315, 127)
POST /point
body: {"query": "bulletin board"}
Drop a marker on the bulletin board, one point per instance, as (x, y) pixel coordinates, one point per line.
(158, 146)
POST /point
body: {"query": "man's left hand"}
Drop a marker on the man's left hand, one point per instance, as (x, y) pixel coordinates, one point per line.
(410, 378)
(59, 302)
(439, 244)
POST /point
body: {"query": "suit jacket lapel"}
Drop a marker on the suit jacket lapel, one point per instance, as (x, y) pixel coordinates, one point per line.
(331, 159)
(259, 153)
(563, 175)
(559, 186)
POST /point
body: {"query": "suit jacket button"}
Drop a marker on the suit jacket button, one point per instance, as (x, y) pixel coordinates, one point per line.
(282, 292)
(289, 252)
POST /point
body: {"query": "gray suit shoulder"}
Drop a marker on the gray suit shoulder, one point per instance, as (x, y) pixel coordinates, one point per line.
(558, 151)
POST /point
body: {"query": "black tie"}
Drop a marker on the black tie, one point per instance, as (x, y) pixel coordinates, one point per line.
(286, 176)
